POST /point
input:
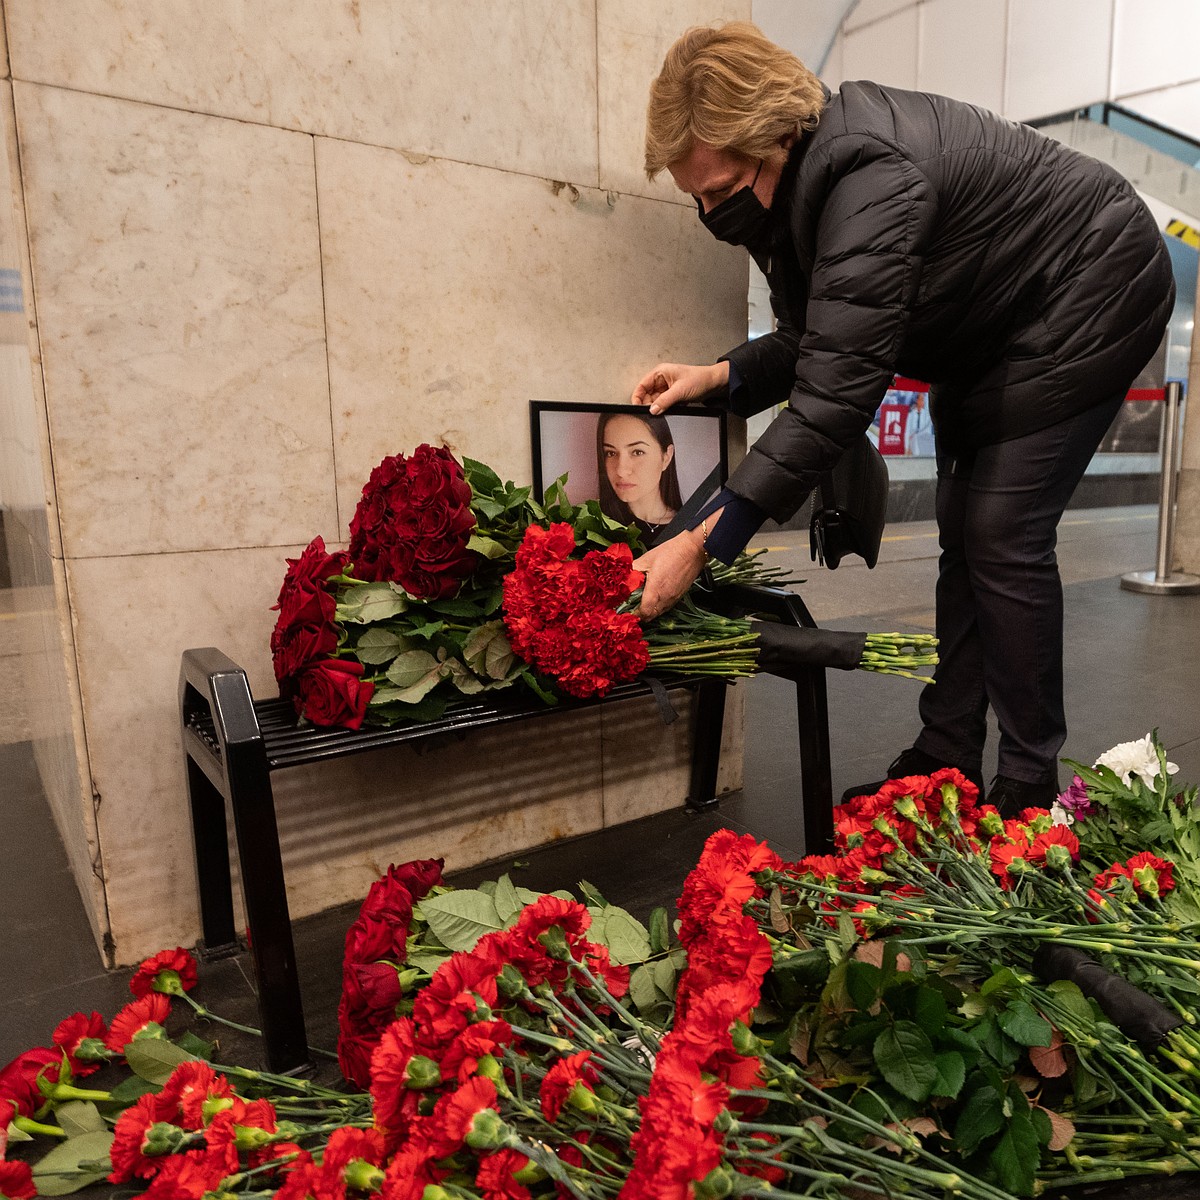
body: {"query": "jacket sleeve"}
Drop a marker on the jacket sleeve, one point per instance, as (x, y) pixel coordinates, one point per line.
(766, 365)
(874, 213)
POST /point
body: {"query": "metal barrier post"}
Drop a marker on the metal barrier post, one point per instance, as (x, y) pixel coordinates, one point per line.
(1162, 580)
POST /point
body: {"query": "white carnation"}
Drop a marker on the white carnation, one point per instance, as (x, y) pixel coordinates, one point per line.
(1059, 815)
(1135, 758)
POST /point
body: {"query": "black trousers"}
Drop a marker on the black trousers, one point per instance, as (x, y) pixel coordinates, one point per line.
(999, 597)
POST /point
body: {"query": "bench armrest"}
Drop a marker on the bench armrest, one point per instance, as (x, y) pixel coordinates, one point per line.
(212, 685)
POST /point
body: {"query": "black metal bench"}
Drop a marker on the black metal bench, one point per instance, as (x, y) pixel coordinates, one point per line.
(232, 743)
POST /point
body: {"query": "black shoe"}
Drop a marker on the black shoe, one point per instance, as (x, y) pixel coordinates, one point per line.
(1012, 796)
(909, 762)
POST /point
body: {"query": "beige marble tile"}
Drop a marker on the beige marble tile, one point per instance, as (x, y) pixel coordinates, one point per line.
(178, 284)
(339, 824)
(52, 710)
(25, 470)
(886, 49)
(506, 85)
(455, 294)
(632, 39)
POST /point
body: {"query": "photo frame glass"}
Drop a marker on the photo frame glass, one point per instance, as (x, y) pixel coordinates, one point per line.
(655, 472)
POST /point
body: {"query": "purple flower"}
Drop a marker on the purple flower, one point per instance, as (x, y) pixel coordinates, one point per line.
(1075, 799)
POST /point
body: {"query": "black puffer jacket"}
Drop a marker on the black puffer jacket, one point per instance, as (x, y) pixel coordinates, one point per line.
(921, 236)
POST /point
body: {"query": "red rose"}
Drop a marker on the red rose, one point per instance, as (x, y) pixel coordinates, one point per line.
(18, 1082)
(294, 647)
(333, 692)
(413, 523)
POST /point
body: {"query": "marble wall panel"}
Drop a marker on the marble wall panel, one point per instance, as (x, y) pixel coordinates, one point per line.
(1154, 44)
(884, 51)
(52, 708)
(1058, 55)
(962, 51)
(506, 85)
(455, 294)
(26, 472)
(866, 12)
(632, 39)
(178, 284)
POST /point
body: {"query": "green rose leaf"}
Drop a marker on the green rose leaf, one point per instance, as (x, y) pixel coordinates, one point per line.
(481, 544)
(196, 1045)
(69, 1167)
(591, 894)
(378, 645)
(904, 1056)
(129, 1091)
(929, 1011)
(660, 930)
(415, 673)
(79, 1116)
(483, 480)
(981, 1117)
(951, 1074)
(425, 960)
(1015, 1157)
(1068, 996)
(366, 602)
(459, 919)
(665, 977)
(642, 989)
(1025, 1025)
(508, 903)
(154, 1059)
(624, 935)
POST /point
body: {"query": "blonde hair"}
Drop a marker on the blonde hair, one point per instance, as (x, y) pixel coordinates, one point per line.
(732, 88)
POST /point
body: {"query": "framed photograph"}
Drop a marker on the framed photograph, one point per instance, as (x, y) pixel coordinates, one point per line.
(654, 472)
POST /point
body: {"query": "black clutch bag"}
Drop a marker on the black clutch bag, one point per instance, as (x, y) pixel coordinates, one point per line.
(850, 507)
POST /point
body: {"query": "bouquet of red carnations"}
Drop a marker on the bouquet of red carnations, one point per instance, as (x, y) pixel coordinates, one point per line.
(456, 583)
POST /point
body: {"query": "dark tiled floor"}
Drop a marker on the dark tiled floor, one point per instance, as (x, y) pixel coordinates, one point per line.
(1132, 663)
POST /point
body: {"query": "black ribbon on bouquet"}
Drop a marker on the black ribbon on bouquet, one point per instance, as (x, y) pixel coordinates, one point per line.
(1135, 1013)
(787, 650)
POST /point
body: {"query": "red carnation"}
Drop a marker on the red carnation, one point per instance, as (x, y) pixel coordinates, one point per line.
(136, 1019)
(497, 1176)
(73, 1031)
(561, 1079)
(16, 1181)
(190, 1087)
(333, 692)
(169, 971)
(133, 1153)
(187, 1176)
(413, 523)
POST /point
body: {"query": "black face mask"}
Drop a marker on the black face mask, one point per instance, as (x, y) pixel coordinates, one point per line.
(740, 219)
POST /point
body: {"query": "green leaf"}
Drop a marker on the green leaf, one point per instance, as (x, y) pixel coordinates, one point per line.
(623, 934)
(591, 894)
(79, 1116)
(425, 960)
(665, 977)
(154, 1059)
(508, 903)
(1015, 1157)
(18, 1135)
(981, 1117)
(951, 1073)
(660, 930)
(195, 1045)
(904, 1056)
(1003, 979)
(864, 982)
(378, 645)
(129, 1091)
(929, 1010)
(416, 673)
(488, 547)
(1025, 1025)
(1067, 995)
(456, 608)
(483, 480)
(61, 1171)
(642, 990)
(459, 919)
(366, 602)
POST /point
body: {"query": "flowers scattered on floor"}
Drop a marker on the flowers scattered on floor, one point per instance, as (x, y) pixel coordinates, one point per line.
(950, 1005)
(456, 583)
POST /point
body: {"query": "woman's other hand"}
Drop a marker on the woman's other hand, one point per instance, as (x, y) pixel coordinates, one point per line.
(671, 569)
(671, 383)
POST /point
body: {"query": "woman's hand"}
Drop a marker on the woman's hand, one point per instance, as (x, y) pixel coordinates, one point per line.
(671, 569)
(671, 383)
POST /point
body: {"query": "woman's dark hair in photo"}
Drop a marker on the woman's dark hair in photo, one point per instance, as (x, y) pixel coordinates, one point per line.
(668, 484)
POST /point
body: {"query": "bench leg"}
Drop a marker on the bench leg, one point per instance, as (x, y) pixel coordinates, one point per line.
(270, 928)
(708, 720)
(816, 772)
(210, 839)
